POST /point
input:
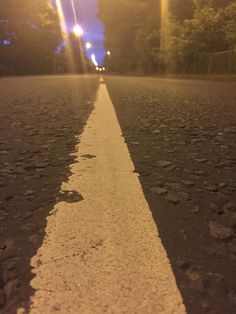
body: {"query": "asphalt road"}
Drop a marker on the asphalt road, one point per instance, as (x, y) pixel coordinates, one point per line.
(181, 137)
(40, 120)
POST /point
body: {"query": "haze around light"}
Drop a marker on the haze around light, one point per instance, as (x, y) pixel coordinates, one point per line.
(84, 12)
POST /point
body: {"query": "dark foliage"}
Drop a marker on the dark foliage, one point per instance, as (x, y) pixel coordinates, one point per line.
(142, 39)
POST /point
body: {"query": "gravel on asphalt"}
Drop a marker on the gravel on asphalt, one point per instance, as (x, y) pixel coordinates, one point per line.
(41, 118)
(181, 136)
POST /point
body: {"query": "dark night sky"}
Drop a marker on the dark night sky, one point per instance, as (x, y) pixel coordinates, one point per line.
(86, 12)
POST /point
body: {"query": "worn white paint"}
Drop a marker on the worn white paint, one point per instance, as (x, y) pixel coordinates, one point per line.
(103, 254)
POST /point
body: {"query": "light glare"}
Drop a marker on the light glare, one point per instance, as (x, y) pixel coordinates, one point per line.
(88, 45)
(78, 30)
(93, 58)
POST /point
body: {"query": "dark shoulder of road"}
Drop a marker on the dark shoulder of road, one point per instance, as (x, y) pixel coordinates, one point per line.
(40, 118)
(181, 136)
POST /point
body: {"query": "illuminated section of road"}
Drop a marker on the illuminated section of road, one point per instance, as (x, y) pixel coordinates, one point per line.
(103, 254)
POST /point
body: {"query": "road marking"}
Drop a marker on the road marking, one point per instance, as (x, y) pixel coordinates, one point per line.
(103, 254)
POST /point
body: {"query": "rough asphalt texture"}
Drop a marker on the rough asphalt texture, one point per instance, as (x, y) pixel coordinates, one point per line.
(181, 136)
(40, 119)
(102, 254)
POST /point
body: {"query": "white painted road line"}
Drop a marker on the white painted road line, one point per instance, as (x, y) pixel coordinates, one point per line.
(103, 254)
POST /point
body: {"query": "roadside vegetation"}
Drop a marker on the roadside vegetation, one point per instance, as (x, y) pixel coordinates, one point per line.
(31, 41)
(29, 34)
(143, 38)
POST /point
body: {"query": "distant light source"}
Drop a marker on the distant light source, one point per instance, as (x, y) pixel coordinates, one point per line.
(88, 45)
(103, 68)
(6, 42)
(108, 52)
(93, 58)
(78, 30)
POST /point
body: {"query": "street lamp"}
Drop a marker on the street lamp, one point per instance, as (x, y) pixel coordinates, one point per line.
(78, 30)
(88, 45)
(108, 52)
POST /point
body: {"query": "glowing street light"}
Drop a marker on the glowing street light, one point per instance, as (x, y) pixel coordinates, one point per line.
(78, 30)
(108, 52)
(88, 45)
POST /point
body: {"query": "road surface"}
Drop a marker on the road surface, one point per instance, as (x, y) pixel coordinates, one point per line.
(80, 233)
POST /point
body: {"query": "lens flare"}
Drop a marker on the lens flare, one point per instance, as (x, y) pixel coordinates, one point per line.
(164, 24)
(78, 31)
(68, 50)
(93, 58)
(74, 12)
(165, 42)
(61, 14)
